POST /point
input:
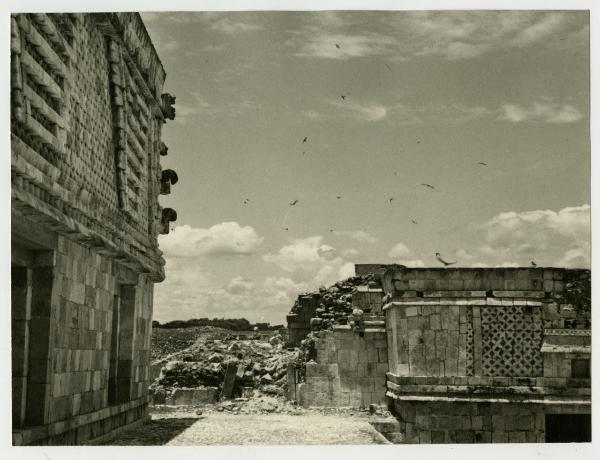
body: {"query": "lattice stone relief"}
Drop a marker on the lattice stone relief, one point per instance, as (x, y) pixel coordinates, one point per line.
(41, 56)
(469, 344)
(511, 341)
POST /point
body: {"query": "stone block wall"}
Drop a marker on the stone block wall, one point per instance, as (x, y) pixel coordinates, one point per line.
(426, 422)
(87, 112)
(69, 360)
(368, 299)
(481, 355)
(349, 370)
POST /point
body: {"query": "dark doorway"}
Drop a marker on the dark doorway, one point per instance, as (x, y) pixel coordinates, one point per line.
(121, 345)
(20, 317)
(568, 428)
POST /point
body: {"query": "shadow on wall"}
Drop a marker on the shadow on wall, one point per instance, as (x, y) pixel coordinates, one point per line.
(157, 432)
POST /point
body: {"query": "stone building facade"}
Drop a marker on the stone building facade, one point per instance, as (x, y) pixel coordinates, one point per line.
(87, 110)
(473, 355)
(488, 355)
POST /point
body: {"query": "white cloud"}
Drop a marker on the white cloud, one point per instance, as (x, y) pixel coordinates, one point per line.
(549, 238)
(178, 298)
(302, 254)
(400, 113)
(468, 34)
(358, 235)
(410, 262)
(460, 50)
(452, 35)
(399, 250)
(231, 27)
(284, 284)
(239, 285)
(346, 271)
(224, 239)
(363, 112)
(539, 30)
(349, 253)
(541, 111)
(327, 252)
(311, 262)
(312, 42)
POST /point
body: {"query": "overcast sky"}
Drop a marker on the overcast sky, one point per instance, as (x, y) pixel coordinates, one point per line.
(428, 96)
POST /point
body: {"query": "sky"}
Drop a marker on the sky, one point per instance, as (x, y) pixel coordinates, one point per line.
(489, 108)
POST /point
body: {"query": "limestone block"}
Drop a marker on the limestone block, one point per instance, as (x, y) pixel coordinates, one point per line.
(382, 355)
(412, 311)
(191, 396)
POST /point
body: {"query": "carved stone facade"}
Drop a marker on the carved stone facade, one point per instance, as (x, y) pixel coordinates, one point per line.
(86, 120)
(488, 355)
(461, 355)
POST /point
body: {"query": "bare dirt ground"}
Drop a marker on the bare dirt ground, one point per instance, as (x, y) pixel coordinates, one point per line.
(187, 426)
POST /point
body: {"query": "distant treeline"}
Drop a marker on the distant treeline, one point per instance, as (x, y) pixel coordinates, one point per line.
(233, 324)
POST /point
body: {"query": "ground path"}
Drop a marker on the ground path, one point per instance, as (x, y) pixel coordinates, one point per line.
(214, 428)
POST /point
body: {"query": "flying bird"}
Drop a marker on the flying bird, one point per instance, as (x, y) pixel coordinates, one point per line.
(286, 229)
(293, 203)
(391, 199)
(331, 230)
(427, 185)
(305, 139)
(337, 46)
(387, 65)
(482, 163)
(246, 200)
(439, 258)
(418, 141)
(344, 96)
(414, 221)
(338, 197)
(533, 264)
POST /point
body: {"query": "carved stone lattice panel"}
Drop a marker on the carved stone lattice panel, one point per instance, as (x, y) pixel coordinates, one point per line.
(511, 341)
(469, 367)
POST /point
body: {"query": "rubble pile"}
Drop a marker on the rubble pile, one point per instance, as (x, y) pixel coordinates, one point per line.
(242, 366)
(334, 304)
(168, 341)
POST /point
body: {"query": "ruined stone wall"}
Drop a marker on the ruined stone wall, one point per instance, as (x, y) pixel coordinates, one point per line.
(298, 323)
(349, 370)
(333, 306)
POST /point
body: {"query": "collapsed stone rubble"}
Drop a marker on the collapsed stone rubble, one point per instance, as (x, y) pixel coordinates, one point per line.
(221, 365)
(334, 303)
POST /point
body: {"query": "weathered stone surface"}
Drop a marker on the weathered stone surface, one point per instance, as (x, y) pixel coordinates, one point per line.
(84, 218)
(192, 396)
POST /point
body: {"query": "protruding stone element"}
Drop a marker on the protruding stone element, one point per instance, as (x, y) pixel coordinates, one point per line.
(168, 215)
(168, 177)
(168, 101)
(163, 150)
